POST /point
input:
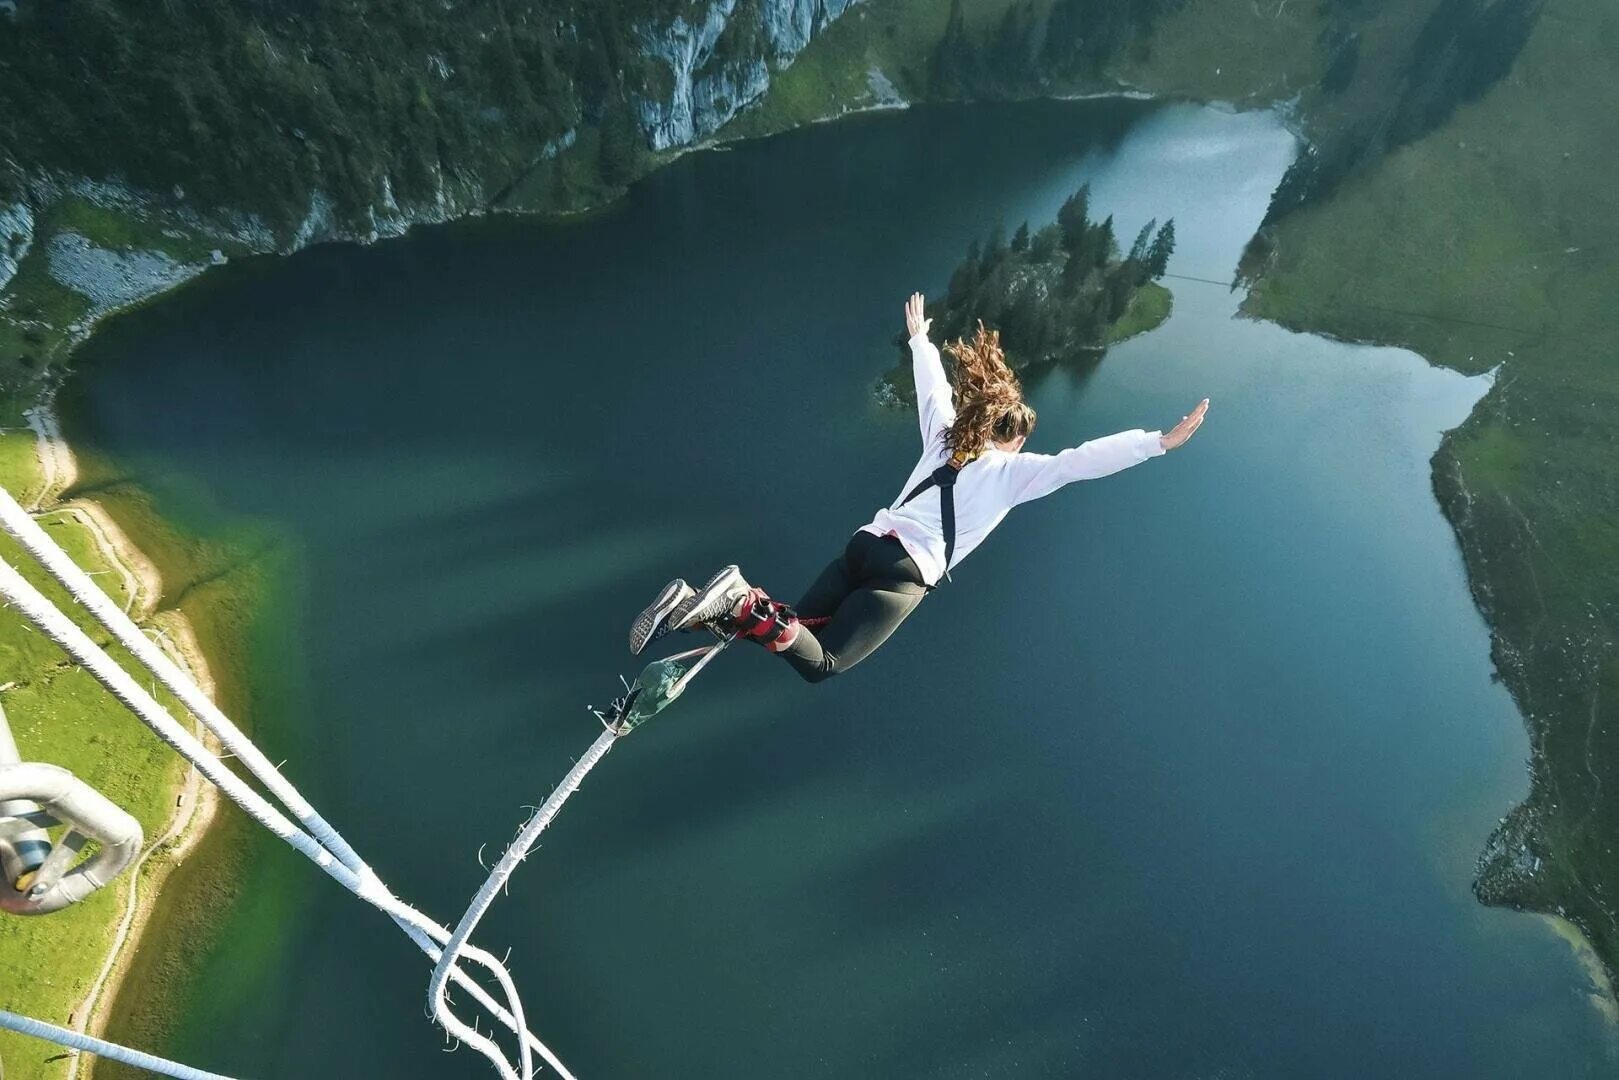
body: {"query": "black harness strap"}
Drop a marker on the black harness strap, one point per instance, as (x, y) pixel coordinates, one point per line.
(943, 478)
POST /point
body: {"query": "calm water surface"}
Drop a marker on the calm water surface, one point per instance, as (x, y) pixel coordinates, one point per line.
(1182, 777)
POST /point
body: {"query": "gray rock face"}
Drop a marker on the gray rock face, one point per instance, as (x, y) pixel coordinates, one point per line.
(113, 279)
(16, 237)
(707, 91)
(789, 24)
(713, 76)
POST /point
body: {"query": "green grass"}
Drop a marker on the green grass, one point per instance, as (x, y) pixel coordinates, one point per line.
(1472, 222)
(1211, 50)
(19, 465)
(227, 576)
(36, 314)
(1227, 50)
(895, 37)
(1500, 216)
(58, 713)
(1148, 309)
(123, 231)
(1504, 217)
(571, 182)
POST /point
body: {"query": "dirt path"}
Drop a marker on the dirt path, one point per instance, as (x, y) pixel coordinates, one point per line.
(195, 802)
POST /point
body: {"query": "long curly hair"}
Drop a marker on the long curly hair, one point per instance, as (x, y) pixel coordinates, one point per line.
(988, 397)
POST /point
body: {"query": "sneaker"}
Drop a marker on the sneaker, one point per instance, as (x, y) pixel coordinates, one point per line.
(646, 625)
(711, 603)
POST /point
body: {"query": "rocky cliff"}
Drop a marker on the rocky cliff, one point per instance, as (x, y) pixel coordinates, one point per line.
(139, 147)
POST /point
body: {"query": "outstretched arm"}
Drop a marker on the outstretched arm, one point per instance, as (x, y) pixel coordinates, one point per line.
(934, 411)
(1035, 475)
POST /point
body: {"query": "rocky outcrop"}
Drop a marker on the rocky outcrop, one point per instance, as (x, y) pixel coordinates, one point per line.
(789, 24)
(16, 236)
(705, 60)
(707, 85)
(113, 279)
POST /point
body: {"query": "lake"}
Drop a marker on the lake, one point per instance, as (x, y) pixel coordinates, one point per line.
(1184, 775)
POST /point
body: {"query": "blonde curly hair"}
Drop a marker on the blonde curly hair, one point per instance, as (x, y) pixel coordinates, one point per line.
(988, 397)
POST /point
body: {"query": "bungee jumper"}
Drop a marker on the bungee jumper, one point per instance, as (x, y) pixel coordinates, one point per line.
(971, 473)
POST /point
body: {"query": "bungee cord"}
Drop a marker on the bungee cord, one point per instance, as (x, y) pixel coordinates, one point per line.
(27, 532)
(312, 837)
(75, 1040)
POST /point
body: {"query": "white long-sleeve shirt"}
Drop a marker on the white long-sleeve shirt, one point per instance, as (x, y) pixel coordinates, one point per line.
(992, 483)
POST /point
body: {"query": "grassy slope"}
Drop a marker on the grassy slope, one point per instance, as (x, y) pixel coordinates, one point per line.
(1505, 216)
(894, 37)
(226, 584)
(38, 315)
(1472, 221)
(1212, 50)
(59, 714)
(1501, 216)
(1148, 308)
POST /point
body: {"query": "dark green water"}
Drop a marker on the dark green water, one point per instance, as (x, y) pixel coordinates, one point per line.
(1182, 777)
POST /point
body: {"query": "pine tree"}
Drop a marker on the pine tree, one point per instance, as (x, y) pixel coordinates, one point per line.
(1022, 329)
(1075, 270)
(1045, 244)
(992, 297)
(1011, 55)
(1102, 245)
(955, 60)
(1136, 262)
(1138, 250)
(1163, 246)
(1073, 220)
(1020, 239)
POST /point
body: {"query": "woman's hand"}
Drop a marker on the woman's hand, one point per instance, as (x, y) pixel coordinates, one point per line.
(915, 322)
(1183, 430)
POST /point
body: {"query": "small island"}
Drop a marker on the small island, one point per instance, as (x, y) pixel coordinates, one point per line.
(1060, 295)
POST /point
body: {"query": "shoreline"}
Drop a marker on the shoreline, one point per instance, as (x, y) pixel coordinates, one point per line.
(196, 803)
(56, 460)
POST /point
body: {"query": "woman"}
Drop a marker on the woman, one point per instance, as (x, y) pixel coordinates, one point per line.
(971, 472)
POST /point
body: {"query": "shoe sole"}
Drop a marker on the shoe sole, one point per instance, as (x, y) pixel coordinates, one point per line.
(645, 627)
(691, 612)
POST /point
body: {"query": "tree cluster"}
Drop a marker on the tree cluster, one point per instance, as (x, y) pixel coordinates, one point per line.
(1035, 44)
(258, 106)
(1054, 292)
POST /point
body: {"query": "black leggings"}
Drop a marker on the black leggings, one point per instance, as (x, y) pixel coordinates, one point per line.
(867, 592)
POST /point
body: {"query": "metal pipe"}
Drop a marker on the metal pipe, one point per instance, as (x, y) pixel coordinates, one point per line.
(87, 812)
(24, 847)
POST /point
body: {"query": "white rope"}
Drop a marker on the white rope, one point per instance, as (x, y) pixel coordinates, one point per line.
(27, 1025)
(515, 854)
(351, 872)
(27, 532)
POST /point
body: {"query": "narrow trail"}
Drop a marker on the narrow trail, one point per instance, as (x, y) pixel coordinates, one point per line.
(196, 804)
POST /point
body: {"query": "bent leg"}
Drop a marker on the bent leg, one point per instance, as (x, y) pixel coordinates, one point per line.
(828, 590)
(863, 621)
